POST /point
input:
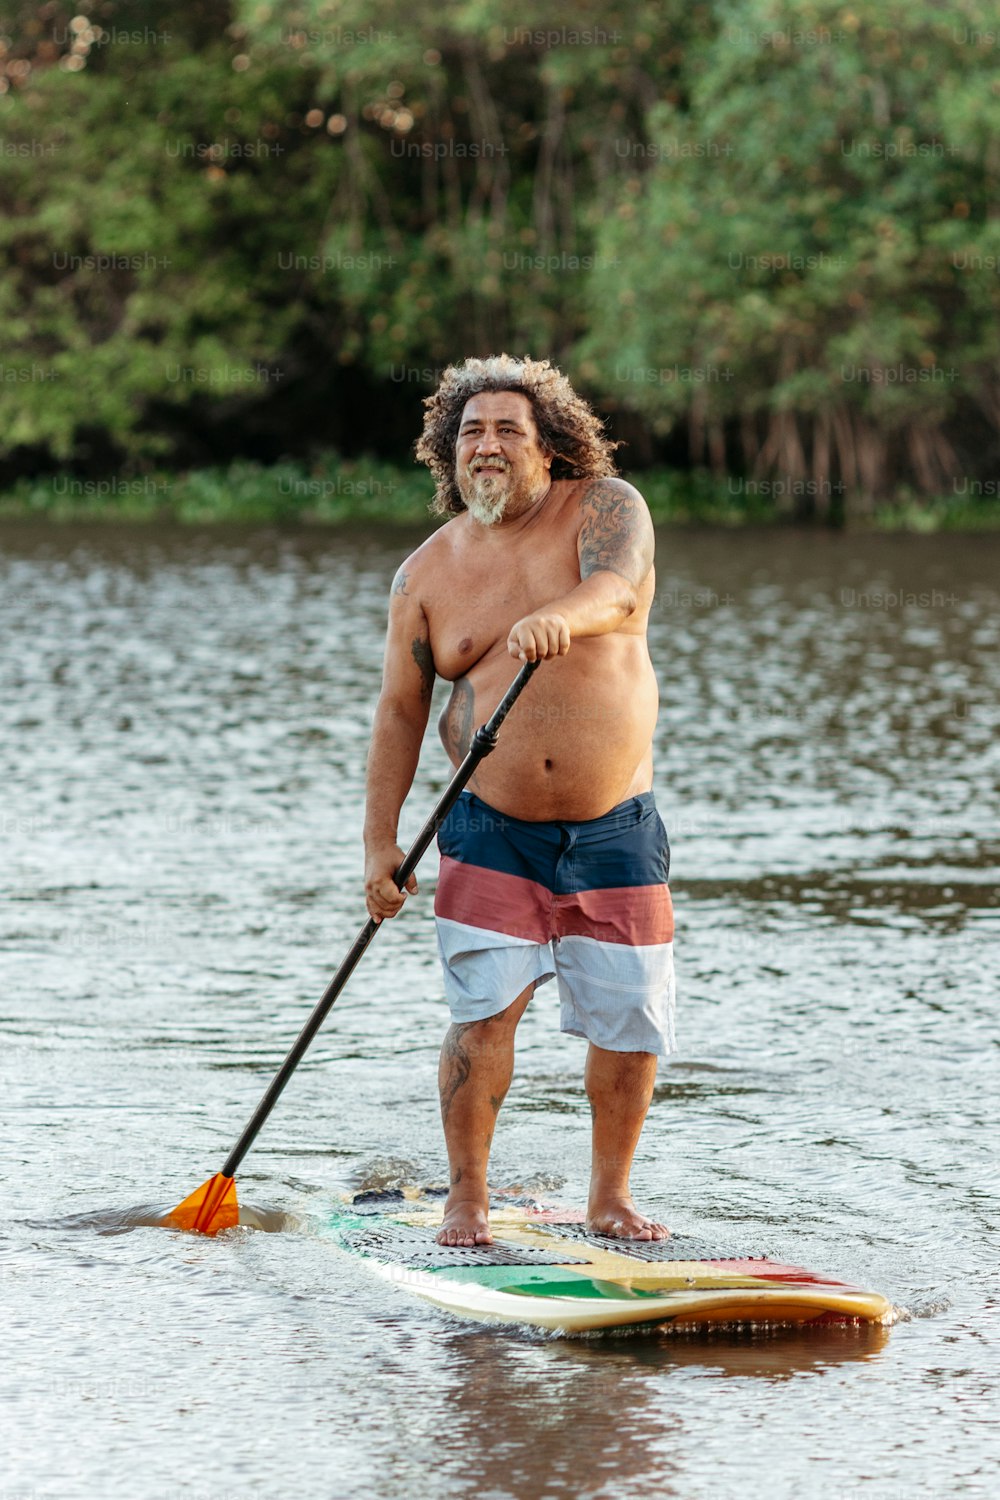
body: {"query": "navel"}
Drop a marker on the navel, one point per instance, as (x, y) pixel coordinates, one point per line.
(548, 764)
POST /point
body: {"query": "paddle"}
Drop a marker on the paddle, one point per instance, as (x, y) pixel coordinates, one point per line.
(213, 1206)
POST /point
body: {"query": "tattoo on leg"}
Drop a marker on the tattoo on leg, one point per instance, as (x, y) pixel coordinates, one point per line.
(458, 1064)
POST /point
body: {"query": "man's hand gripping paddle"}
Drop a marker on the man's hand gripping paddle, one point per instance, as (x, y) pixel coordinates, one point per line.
(213, 1206)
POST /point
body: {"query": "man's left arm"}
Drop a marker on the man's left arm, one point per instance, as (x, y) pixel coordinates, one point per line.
(615, 548)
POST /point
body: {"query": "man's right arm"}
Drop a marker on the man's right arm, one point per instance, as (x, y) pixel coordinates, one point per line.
(397, 733)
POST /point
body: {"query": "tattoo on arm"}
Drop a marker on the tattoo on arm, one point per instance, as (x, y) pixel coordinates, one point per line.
(616, 535)
(424, 658)
(399, 583)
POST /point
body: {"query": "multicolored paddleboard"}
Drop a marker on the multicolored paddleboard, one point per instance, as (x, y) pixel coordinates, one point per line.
(546, 1271)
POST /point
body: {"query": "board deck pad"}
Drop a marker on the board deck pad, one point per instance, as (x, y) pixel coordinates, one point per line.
(677, 1247)
(546, 1270)
(407, 1245)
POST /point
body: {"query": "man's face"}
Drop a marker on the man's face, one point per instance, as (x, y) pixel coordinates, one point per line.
(500, 466)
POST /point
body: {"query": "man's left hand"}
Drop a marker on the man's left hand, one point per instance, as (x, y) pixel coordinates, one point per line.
(539, 636)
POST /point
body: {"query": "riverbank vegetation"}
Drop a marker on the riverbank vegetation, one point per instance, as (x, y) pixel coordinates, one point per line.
(331, 490)
(241, 240)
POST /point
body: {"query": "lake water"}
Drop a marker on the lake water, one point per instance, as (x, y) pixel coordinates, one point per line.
(185, 720)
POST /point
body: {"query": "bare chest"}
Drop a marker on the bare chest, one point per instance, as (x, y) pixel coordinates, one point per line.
(479, 593)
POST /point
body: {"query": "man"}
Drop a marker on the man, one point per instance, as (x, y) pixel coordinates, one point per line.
(554, 861)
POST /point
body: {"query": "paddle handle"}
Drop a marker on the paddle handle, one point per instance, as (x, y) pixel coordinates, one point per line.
(484, 741)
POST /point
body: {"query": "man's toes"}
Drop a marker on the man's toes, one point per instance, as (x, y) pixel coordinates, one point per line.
(463, 1239)
(651, 1231)
(638, 1228)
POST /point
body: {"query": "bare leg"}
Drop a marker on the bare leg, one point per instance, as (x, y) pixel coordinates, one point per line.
(619, 1086)
(477, 1061)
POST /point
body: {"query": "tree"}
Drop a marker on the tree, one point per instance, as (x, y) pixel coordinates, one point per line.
(811, 249)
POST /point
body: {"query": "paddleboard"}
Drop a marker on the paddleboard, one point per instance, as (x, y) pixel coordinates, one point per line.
(545, 1270)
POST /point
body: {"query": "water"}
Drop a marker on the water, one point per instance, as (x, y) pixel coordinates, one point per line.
(185, 718)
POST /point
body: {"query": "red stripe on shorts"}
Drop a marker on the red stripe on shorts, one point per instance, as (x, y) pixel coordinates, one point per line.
(501, 903)
(638, 916)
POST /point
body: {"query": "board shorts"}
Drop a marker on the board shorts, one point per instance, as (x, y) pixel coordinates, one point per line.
(519, 903)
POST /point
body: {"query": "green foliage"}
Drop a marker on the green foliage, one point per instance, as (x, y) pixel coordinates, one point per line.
(768, 230)
(144, 206)
(330, 490)
(801, 248)
(327, 490)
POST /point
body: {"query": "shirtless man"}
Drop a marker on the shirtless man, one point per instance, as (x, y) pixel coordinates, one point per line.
(554, 861)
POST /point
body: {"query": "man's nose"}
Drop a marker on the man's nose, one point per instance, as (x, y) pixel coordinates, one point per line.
(488, 443)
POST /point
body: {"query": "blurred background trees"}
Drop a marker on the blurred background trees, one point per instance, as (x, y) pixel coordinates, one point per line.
(764, 239)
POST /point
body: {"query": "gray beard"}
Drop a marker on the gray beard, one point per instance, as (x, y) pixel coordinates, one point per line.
(486, 499)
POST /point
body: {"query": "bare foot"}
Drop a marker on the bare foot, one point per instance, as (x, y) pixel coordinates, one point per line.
(464, 1224)
(619, 1217)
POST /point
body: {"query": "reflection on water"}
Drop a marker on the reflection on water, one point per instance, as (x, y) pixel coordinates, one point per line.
(184, 726)
(774, 1353)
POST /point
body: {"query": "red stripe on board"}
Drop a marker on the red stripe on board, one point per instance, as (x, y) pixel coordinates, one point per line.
(486, 898)
(775, 1270)
(638, 915)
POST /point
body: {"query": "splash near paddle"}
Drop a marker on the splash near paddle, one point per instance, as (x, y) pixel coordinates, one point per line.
(544, 1270)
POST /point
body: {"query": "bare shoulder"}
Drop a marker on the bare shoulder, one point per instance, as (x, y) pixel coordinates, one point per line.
(409, 670)
(416, 576)
(613, 499)
(616, 532)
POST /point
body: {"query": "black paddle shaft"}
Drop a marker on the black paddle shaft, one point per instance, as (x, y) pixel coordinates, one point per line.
(483, 742)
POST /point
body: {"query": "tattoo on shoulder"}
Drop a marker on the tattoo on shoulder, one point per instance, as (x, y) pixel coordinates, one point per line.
(424, 658)
(616, 535)
(400, 581)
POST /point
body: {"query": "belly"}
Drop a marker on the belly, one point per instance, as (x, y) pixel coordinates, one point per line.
(579, 739)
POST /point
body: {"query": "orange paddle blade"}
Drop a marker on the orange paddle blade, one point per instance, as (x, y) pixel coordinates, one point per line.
(210, 1208)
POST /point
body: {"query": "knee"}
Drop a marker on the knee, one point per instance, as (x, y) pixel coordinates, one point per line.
(506, 1020)
(493, 1031)
(516, 1008)
(618, 1072)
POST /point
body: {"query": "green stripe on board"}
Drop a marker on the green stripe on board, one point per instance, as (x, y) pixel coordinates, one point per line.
(540, 1281)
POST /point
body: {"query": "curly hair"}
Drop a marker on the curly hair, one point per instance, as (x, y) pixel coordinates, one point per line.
(567, 428)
